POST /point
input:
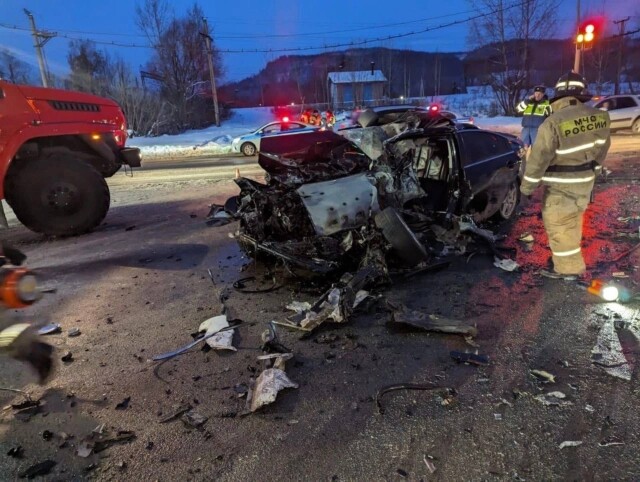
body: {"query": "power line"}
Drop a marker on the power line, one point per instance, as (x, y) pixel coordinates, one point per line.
(304, 49)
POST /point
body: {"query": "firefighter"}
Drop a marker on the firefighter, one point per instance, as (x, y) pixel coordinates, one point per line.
(304, 117)
(535, 109)
(316, 118)
(571, 146)
(331, 119)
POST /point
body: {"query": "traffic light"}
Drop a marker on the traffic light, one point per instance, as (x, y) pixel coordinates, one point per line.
(586, 35)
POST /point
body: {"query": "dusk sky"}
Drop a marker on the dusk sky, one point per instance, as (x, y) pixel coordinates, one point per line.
(269, 25)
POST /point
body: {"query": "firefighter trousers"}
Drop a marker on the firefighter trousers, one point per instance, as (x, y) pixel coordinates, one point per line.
(563, 207)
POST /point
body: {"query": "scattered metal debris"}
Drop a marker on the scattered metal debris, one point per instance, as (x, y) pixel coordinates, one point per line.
(505, 264)
(41, 468)
(298, 306)
(471, 358)
(217, 337)
(610, 442)
(570, 443)
(544, 375)
(432, 322)
(270, 382)
(49, 329)
(526, 238)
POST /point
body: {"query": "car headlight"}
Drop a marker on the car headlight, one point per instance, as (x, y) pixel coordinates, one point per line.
(19, 288)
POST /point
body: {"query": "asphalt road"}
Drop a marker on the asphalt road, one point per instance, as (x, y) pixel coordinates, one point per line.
(138, 286)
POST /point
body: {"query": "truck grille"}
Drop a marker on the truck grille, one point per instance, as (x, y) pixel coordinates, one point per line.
(74, 106)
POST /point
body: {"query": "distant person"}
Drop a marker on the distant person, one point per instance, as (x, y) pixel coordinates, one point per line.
(330, 118)
(535, 109)
(608, 105)
(305, 116)
(316, 118)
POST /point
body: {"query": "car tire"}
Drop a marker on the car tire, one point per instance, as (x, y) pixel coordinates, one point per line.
(635, 127)
(248, 149)
(510, 203)
(60, 196)
(405, 244)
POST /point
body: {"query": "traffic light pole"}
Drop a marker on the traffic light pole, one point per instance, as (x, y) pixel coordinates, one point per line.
(576, 60)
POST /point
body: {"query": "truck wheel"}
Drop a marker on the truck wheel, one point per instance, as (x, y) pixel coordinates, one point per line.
(248, 149)
(60, 196)
(397, 233)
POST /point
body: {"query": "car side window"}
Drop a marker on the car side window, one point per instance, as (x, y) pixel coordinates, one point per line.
(624, 103)
(271, 128)
(480, 146)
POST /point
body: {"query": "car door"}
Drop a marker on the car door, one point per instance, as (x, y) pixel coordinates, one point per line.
(622, 110)
(486, 157)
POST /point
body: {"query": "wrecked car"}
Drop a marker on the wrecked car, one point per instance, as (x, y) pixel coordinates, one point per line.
(407, 189)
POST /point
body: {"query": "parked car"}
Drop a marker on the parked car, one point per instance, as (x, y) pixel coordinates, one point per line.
(336, 199)
(624, 111)
(249, 144)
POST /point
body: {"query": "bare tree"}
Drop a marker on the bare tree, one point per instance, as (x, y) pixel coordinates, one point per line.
(14, 69)
(507, 31)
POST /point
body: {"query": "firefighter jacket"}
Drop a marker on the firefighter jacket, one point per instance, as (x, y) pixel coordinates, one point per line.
(571, 144)
(533, 112)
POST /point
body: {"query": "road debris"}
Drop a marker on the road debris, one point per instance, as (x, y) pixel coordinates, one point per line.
(97, 442)
(26, 409)
(67, 357)
(553, 399)
(405, 386)
(41, 468)
(430, 322)
(16, 452)
(430, 465)
(610, 442)
(270, 382)
(543, 375)
(470, 358)
(50, 329)
(298, 306)
(193, 419)
(570, 443)
(505, 264)
(74, 332)
(526, 238)
(217, 337)
(176, 413)
(124, 404)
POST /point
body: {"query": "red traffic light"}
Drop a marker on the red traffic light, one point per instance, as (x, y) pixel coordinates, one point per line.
(586, 33)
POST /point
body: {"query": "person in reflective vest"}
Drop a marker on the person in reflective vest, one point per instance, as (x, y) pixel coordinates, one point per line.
(535, 109)
(571, 146)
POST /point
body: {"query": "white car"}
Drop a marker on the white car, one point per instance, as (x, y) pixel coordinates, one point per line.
(249, 144)
(624, 111)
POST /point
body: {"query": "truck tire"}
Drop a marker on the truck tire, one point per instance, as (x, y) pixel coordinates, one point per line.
(60, 196)
(397, 233)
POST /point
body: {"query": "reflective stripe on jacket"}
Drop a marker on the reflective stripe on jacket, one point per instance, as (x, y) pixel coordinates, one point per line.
(534, 113)
(573, 136)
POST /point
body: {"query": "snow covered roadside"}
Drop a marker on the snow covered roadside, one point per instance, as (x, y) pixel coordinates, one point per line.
(210, 141)
(217, 140)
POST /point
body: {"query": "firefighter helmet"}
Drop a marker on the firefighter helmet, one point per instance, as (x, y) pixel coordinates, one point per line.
(572, 84)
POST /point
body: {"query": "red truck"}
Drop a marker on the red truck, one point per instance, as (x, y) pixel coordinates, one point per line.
(56, 149)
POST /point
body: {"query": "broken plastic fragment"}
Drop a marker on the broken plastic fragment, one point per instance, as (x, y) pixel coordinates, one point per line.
(299, 306)
(431, 322)
(570, 443)
(526, 238)
(607, 353)
(544, 375)
(194, 419)
(553, 398)
(505, 264)
(218, 341)
(268, 384)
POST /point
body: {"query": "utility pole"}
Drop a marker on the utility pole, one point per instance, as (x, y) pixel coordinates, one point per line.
(212, 76)
(616, 90)
(39, 41)
(576, 60)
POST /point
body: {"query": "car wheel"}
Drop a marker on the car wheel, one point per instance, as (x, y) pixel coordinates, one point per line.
(636, 126)
(397, 233)
(248, 149)
(60, 196)
(509, 203)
